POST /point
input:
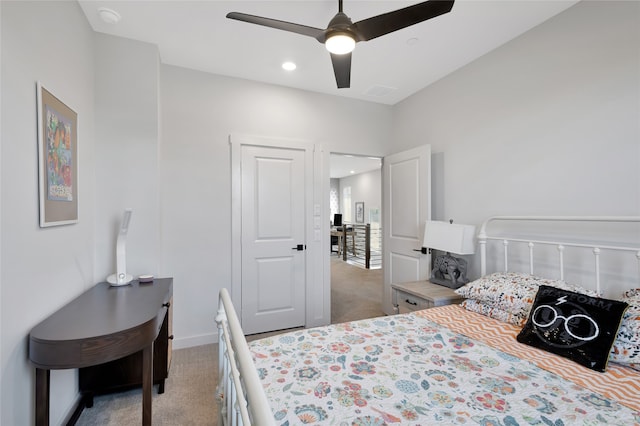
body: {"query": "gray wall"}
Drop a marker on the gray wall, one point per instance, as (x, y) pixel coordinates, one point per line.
(199, 111)
(365, 187)
(128, 149)
(546, 124)
(42, 269)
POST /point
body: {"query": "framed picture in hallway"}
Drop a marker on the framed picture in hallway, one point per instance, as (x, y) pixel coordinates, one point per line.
(360, 212)
(57, 160)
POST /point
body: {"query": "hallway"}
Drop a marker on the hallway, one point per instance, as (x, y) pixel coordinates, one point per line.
(356, 293)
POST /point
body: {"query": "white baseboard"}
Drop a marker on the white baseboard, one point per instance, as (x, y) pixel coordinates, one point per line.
(188, 342)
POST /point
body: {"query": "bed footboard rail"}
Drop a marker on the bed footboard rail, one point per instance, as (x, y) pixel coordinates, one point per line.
(241, 398)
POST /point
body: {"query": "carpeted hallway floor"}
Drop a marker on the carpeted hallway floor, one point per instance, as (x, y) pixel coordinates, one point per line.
(190, 389)
(356, 293)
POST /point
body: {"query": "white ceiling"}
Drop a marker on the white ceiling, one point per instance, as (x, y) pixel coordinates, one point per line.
(342, 165)
(197, 35)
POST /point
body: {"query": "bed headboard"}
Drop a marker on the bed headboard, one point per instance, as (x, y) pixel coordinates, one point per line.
(615, 238)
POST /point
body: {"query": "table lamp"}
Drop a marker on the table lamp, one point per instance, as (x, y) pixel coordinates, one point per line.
(449, 237)
(121, 277)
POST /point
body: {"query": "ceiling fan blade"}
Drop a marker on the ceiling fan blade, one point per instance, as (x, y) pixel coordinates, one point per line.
(386, 23)
(316, 33)
(342, 69)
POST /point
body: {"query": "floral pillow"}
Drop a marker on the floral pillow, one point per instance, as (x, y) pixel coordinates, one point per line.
(632, 293)
(630, 327)
(512, 292)
(494, 312)
(626, 348)
(625, 353)
(575, 326)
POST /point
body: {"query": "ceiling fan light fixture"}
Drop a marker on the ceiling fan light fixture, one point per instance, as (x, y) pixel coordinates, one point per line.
(340, 43)
(342, 33)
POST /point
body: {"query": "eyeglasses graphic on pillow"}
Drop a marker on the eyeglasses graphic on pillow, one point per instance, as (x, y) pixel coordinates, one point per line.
(573, 325)
(577, 326)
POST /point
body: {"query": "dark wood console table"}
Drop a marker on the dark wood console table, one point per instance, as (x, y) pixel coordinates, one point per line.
(103, 324)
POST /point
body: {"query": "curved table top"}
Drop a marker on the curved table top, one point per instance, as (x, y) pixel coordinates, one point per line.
(102, 324)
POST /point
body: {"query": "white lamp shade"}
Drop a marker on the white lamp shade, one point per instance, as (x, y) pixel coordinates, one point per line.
(449, 237)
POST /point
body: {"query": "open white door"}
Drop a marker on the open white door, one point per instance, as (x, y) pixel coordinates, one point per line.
(406, 201)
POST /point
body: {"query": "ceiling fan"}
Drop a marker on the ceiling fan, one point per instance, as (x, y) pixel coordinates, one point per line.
(342, 34)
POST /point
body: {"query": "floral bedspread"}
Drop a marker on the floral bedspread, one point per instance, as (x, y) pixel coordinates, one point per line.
(407, 369)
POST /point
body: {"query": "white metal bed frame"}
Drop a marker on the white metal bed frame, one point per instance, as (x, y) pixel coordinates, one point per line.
(238, 381)
(596, 248)
(240, 395)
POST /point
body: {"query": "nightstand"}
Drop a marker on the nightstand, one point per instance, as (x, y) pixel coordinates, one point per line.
(416, 295)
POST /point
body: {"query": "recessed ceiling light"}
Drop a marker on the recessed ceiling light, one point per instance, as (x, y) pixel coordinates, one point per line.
(289, 66)
(109, 16)
(352, 171)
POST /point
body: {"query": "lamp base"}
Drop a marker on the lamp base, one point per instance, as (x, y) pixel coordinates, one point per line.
(121, 279)
(449, 271)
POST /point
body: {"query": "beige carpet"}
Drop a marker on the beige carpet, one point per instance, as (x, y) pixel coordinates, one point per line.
(188, 397)
(356, 293)
(190, 389)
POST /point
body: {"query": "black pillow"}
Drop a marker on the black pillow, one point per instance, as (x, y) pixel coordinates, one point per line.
(573, 325)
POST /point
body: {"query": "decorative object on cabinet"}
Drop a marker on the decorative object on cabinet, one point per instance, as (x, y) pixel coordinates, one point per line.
(447, 270)
(57, 160)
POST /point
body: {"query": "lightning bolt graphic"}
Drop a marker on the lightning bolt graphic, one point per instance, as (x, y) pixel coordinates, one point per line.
(561, 300)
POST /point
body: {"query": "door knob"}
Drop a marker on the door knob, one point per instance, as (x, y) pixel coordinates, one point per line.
(299, 247)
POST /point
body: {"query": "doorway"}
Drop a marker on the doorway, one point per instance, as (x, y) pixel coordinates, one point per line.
(355, 198)
(404, 209)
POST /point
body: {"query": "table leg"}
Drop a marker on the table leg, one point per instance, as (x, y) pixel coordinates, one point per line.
(147, 384)
(42, 396)
(88, 399)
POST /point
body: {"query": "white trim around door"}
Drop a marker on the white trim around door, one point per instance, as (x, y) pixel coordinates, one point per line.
(316, 225)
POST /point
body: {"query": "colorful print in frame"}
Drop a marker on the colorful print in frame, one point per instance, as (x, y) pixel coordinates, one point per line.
(58, 160)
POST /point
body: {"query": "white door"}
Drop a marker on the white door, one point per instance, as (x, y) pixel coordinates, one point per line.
(273, 238)
(406, 201)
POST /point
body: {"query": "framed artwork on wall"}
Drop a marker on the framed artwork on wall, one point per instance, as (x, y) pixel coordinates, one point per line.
(360, 212)
(57, 160)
